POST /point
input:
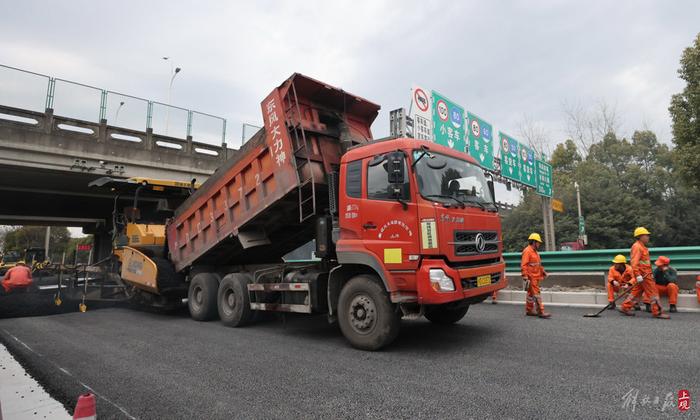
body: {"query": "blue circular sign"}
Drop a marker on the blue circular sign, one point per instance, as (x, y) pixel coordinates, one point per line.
(456, 117)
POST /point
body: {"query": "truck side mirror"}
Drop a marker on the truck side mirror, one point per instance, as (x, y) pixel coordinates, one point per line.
(395, 168)
(492, 189)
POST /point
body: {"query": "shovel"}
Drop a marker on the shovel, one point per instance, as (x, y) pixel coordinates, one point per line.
(597, 314)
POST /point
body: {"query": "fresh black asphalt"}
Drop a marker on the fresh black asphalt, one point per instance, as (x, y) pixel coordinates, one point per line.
(496, 363)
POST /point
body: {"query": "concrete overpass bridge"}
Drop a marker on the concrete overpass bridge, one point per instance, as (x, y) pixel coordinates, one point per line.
(56, 136)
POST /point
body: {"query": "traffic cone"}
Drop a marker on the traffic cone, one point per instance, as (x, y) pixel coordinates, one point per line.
(85, 408)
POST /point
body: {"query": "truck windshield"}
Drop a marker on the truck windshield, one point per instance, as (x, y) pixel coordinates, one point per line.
(451, 181)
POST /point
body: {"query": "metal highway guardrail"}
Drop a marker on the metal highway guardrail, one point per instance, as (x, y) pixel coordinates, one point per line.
(682, 259)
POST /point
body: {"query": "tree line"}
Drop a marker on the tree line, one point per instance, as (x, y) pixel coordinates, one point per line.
(19, 238)
(624, 182)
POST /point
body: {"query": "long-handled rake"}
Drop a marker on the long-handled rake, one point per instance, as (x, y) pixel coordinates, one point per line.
(597, 314)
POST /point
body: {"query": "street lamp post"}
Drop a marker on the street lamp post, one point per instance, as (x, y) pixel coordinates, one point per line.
(173, 71)
(116, 113)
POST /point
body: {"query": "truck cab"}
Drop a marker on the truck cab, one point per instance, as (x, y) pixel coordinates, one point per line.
(402, 227)
(423, 216)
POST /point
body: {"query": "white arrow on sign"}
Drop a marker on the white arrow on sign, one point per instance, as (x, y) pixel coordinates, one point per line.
(510, 170)
(481, 156)
(450, 143)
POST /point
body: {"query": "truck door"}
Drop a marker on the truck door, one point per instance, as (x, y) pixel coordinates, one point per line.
(389, 213)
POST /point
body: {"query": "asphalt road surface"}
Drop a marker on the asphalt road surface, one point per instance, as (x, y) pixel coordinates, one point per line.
(495, 363)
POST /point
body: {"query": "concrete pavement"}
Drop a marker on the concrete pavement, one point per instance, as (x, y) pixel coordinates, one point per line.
(495, 363)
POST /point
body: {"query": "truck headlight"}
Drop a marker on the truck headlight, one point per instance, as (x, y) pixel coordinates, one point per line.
(440, 281)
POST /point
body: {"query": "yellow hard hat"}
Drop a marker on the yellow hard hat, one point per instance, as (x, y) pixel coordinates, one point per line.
(641, 231)
(619, 259)
(534, 237)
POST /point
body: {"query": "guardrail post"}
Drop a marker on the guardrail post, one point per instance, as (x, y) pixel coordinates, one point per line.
(50, 92)
(149, 116)
(189, 147)
(189, 123)
(102, 137)
(224, 146)
(103, 107)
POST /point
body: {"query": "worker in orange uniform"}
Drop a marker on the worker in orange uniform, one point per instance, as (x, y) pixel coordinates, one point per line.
(643, 282)
(17, 277)
(533, 272)
(666, 279)
(619, 277)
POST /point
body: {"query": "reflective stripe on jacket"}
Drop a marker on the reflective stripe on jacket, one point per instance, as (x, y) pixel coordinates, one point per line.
(640, 260)
(531, 264)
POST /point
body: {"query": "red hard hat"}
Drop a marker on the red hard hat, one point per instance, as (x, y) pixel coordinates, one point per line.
(661, 261)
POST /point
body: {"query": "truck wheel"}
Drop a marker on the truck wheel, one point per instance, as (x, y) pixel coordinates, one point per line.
(446, 314)
(367, 318)
(234, 301)
(201, 297)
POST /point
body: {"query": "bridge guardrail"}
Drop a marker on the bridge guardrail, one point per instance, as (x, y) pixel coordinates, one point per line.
(23, 89)
(682, 259)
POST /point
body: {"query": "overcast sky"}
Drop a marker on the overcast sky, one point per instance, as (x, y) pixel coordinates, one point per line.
(503, 60)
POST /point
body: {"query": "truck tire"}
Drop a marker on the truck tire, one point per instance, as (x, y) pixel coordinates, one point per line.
(233, 300)
(201, 297)
(367, 318)
(446, 314)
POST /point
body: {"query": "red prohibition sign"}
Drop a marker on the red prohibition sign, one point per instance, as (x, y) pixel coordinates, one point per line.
(421, 99)
(442, 110)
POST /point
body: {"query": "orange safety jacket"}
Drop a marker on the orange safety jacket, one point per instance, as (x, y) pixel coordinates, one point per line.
(17, 277)
(626, 276)
(531, 264)
(640, 261)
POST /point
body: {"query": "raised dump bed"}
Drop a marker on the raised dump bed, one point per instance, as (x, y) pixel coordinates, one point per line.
(261, 203)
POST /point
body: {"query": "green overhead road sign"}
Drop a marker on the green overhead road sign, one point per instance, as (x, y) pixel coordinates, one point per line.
(448, 123)
(544, 178)
(480, 141)
(527, 166)
(510, 161)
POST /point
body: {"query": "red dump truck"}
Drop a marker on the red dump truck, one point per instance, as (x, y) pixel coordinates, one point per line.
(402, 227)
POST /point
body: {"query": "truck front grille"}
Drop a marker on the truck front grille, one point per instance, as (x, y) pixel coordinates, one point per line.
(467, 242)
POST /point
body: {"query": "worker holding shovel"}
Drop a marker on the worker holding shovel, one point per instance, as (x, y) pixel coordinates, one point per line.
(619, 277)
(643, 282)
(533, 272)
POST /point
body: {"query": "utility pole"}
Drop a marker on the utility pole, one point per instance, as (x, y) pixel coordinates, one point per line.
(581, 223)
(46, 241)
(548, 222)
